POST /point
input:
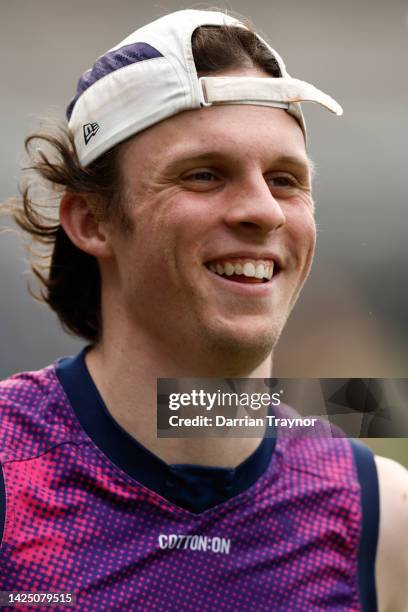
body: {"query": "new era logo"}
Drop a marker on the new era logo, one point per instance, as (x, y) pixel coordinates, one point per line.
(90, 130)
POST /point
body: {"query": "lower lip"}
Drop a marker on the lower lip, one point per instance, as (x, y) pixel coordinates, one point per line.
(245, 289)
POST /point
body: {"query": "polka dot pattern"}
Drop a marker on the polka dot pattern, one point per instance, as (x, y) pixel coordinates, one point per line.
(77, 523)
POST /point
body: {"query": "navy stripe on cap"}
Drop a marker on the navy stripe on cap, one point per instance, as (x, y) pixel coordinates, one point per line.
(119, 58)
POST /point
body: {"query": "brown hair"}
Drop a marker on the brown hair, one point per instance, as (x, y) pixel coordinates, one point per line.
(69, 278)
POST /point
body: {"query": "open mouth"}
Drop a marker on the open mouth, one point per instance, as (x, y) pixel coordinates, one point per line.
(244, 270)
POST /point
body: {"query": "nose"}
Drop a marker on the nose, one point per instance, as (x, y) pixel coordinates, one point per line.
(253, 207)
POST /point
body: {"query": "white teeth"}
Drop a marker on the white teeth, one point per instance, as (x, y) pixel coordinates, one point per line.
(229, 269)
(249, 269)
(260, 271)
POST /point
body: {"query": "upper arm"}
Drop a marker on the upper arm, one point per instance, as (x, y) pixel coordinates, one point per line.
(392, 553)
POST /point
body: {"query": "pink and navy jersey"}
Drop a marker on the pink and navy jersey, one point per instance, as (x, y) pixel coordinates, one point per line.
(88, 510)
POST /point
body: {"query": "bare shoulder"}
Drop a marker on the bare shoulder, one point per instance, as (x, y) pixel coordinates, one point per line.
(392, 552)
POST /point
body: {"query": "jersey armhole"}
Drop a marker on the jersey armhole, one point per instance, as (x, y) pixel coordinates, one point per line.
(2, 505)
(370, 505)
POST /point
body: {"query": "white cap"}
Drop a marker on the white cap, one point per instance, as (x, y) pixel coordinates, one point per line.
(151, 76)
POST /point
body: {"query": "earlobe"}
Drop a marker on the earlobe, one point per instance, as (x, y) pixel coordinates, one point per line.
(84, 229)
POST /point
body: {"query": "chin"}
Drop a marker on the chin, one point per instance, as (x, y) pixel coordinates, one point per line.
(242, 347)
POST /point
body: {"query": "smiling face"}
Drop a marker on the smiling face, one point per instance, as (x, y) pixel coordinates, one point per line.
(223, 234)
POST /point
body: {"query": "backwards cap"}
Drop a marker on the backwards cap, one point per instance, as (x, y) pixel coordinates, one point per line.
(151, 75)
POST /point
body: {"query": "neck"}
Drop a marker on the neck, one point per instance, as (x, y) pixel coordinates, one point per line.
(126, 376)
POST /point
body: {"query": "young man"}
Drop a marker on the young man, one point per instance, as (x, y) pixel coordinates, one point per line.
(186, 233)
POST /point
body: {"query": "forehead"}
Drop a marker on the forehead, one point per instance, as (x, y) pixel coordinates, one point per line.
(236, 132)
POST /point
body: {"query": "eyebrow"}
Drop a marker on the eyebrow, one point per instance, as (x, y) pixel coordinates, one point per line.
(297, 161)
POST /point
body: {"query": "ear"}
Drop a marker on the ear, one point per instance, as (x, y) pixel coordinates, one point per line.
(82, 227)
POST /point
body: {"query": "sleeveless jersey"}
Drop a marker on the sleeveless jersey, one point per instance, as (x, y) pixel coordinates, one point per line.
(78, 521)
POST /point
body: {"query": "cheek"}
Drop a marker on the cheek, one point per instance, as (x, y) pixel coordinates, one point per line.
(150, 259)
(302, 231)
(308, 228)
(178, 225)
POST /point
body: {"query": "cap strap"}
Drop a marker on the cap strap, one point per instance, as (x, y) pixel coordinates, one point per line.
(264, 91)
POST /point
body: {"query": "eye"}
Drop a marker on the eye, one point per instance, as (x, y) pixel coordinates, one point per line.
(201, 180)
(201, 176)
(282, 180)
